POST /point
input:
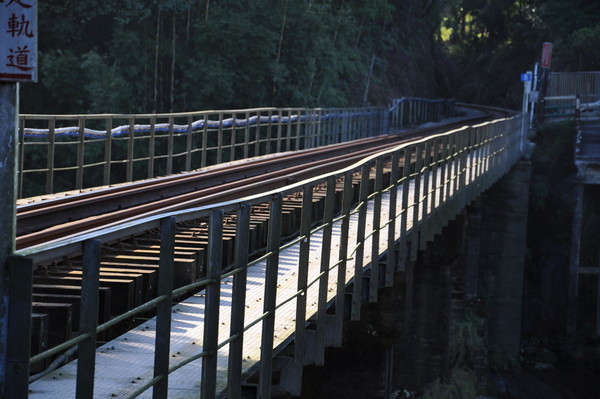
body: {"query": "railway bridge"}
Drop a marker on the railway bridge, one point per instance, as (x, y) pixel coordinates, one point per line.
(232, 298)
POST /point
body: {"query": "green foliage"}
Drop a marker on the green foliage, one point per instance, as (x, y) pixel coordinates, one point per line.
(466, 342)
(138, 56)
(492, 41)
(461, 384)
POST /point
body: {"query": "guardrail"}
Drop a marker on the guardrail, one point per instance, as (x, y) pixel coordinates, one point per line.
(72, 152)
(565, 89)
(444, 172)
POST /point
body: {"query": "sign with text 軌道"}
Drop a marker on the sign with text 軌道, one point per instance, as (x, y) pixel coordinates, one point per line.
(18, 40)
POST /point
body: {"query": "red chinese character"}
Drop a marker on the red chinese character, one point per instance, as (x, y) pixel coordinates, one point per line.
(19, 58)
(19, 28)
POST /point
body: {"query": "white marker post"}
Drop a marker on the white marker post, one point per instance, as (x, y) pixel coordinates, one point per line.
(18, 63)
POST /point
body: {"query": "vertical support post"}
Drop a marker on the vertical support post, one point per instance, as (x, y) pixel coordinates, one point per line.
(464, 166)
(20, 168)
(130, 147)
(330, 200)
(293, 380)
(238, 301)
(204, 162)
(360, 242)
(9, 109)
(435, 185)
(80, 154)
(169, 147)
(108, 152)
(213, 300)
(188, 145)
(426, 223)
(50, 156)
(343, 259)
(88, 319)
(247, 134)
(268, 326)
(444, 173)
(574, 259)
(151, 147)
(374, 281)
(257, 135)
(392, 254)
(232, 137)
(163, 310)
(404, 208)
(451, 174)
(20, 272)
(416, 220)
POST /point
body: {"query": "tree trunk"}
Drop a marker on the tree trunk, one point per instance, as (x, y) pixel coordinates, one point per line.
(173, 43)
(276, 71)
(156, 62)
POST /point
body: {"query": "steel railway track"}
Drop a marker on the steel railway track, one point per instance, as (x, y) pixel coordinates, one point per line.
(43, 221)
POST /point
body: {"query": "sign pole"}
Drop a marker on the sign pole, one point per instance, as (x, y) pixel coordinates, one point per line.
(8, 172)
(18, 63)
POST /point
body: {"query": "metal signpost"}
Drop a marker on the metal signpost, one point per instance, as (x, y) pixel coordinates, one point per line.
(18, 63)
(526, 78)
(546, 62)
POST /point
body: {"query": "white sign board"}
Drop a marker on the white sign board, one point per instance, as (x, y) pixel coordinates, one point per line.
(18, 40)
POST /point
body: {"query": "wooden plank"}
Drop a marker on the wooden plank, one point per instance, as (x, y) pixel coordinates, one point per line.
(148, 276)
(138, 278)
(104, 295)
(123, 290)
(60, 319)
(185, 269)
(73, 300)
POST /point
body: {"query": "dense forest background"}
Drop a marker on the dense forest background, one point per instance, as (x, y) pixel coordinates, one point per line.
(141, 56)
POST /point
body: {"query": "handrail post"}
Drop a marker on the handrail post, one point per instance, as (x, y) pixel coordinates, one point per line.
(360, 242)
(211, 313)
(163, 309)
(268, 326)
(50, 157)
(238, 301)
(330, 202)
(340, 300)
(292, 377)
(86, 363)
(374, 281)
(392, 253)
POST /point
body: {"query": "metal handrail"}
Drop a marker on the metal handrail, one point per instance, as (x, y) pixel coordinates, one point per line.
(72, 152)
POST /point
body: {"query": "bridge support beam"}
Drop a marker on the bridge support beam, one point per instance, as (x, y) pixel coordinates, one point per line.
(504, 233)
(574, 258)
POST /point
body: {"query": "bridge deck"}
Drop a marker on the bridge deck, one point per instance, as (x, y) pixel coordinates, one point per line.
(126, 362)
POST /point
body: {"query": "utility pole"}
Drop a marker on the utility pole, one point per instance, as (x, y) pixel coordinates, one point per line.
(18, 63)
